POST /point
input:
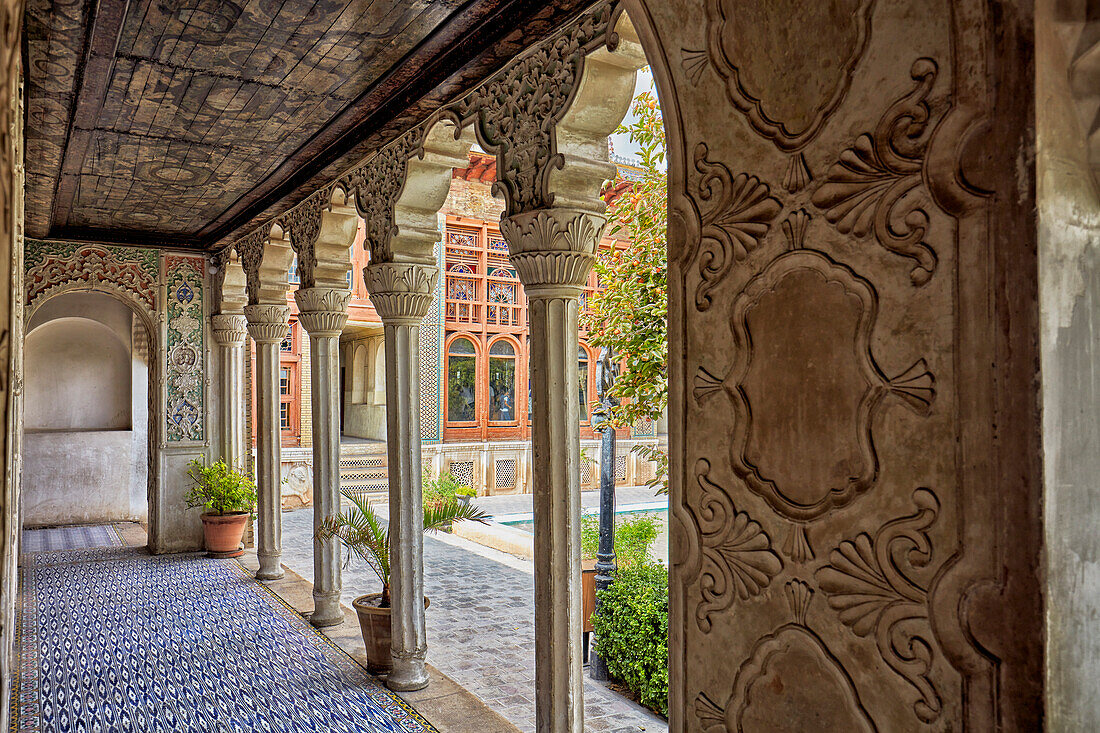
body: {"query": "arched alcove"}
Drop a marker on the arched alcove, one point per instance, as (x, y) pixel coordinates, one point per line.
(87, 406)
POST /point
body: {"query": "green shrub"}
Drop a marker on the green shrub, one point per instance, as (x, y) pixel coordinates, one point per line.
(631, 628)
(440, 491)
(219, 489)
(633, 538)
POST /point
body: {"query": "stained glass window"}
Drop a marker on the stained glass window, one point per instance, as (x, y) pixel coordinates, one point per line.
(461, 381)
(502, 382)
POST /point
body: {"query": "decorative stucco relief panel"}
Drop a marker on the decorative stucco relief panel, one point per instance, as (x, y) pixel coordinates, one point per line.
(55, 267)
(820, 502)
(186, 371)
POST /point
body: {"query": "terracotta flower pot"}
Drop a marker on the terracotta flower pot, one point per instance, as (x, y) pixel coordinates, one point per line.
(374, 622)
(223, 533)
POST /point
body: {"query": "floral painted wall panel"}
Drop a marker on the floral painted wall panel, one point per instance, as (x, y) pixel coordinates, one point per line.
(186, 348)
(54, 267)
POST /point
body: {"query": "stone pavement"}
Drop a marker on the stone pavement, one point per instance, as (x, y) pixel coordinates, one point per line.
(480, 625)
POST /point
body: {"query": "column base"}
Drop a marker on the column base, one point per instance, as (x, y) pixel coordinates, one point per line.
(327, 612)
(408, 675)
(270, 569)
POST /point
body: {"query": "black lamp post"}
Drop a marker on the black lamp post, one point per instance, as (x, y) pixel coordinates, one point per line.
(605, 554)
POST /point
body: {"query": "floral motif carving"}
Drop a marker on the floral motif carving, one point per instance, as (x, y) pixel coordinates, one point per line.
(871, 186)
(186, 350)
(322, 311)
(53, 267)
(784, 663)
(516, 110)
(738, 215)
(303, 223)
(871, 583)
(806, 321)
(809, 42)
(738, 562)
(552, 246)
(267, 322)
(250, 249)
(401, 293)
(377, 184)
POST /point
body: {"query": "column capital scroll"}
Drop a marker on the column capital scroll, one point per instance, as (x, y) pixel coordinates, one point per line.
(553, 249)
(400, 292)
(322, 311)
(230, 329)
(267, 323)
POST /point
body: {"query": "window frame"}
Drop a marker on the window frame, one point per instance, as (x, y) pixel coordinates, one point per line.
(515, 359)
(477, 356)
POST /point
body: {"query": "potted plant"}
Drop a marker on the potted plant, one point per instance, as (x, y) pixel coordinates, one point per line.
(442, 490)
(366, 537)
(464, 493)
(227, 496)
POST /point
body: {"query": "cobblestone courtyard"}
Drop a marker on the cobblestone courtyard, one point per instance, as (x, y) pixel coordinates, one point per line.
(480, 625)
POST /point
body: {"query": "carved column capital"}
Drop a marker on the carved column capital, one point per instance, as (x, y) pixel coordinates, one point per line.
(322, 311)
(230, 329)
(267, 323)
(401, 293)
(553, 249)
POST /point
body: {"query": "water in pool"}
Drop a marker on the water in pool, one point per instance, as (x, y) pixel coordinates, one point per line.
(659, 551)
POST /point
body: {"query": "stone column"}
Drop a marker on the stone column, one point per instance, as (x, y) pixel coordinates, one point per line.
(267, 325)
(401, 294)
(553, 251)
(230, 334)
(323, 313)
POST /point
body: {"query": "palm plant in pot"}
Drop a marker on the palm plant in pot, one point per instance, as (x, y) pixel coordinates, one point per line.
(227, 496)
(367, 537)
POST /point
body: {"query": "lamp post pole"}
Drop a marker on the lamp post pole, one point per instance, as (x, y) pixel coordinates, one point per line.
(605, 553)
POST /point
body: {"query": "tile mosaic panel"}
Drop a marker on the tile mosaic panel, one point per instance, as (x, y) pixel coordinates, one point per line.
(431, 362)
(54, 539)
(186, 348)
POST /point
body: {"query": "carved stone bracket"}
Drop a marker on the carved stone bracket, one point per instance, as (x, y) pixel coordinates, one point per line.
(552, 248)
(267, 324)
(322, 311)
(303, 223)
(376, 185)
(250, 249)
(229, 329)
(871, 187)
(516, 110)
(401, 293)
(871, 583)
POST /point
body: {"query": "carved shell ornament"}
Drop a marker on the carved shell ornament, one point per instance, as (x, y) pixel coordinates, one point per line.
(737, 211)
(738, 560)
(805, 389)
(871, 188)
(782, 667)
(754, 45)
(871, 585)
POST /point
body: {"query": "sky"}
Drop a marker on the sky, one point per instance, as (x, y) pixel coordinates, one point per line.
(622, 143)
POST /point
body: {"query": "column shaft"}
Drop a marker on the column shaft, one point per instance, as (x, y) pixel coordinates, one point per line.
(232, 442)
(410, 646)
(325, 379)
(556, 454)
(268, 464)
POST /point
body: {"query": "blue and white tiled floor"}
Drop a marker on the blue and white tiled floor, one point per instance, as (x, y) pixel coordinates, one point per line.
(113, 639)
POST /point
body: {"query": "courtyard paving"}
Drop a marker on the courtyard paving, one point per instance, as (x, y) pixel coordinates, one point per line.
(480, 626)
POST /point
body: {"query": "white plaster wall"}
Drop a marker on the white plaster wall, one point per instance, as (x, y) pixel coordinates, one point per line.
(1069, 289)
(87, 414)
(78, 377)
(365, 389)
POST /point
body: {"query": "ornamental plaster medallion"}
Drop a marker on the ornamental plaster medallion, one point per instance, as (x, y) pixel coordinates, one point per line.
(805, 389)
(791, 676)
(787, 65)
(376, 185)
(186, 348)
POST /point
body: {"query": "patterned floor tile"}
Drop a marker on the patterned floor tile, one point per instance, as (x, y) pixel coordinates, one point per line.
(56, 539)
(112, 639)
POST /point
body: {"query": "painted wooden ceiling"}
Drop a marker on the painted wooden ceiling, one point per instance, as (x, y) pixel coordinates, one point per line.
(186, 121)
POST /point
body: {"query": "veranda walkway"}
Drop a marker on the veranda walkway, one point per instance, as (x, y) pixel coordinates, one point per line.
(480, 626)
(113, 639)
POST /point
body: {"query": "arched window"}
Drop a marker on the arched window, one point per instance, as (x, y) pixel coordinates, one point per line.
(582, 381)
(461, 381)
(502, 382)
